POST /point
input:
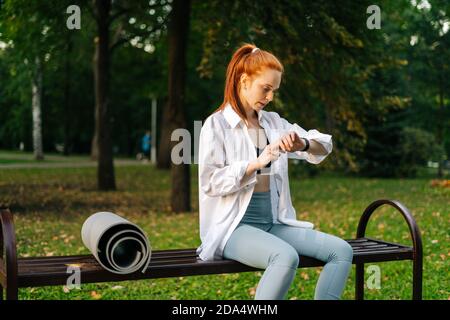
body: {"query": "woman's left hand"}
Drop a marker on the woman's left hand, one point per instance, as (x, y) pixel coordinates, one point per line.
(291, 142)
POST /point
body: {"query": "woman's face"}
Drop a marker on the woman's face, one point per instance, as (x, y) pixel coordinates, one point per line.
(258, 91)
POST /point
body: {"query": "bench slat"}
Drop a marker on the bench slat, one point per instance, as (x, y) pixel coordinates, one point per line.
(67, 260)
(91, 266)
(89, 262)
(43, 271)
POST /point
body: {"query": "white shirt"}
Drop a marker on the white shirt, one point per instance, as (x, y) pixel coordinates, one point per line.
(225, 150)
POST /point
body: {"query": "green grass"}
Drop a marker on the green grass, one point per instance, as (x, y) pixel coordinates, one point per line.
(10, 161)
(51, 205)
(20, 157)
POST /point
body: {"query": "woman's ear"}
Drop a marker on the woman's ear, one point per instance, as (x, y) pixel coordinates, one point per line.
(244, 81)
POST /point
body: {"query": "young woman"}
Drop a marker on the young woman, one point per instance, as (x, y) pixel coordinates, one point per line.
(246, 213)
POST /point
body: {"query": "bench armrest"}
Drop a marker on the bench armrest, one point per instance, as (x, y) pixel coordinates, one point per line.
(415, 236)
(9, 257)
(412, 225)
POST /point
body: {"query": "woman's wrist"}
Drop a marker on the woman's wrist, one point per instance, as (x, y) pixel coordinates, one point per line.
(253, 166)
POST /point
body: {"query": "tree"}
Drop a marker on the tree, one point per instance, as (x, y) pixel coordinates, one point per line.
(177, 35)
(30, 28)
(327, 54)
(429, 54)
(105, 168)
(36, 109)
(105, 18)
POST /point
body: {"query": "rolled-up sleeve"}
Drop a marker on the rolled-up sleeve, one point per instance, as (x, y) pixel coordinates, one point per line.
(217, 178)
(324, 139)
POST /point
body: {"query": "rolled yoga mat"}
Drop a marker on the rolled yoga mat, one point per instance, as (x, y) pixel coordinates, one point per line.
(118, 245)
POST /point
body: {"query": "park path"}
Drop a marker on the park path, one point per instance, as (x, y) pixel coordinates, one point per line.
(56, 161)
(117, 163)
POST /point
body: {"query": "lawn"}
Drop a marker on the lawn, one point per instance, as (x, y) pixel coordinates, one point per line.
(50, 206)
(11, 157)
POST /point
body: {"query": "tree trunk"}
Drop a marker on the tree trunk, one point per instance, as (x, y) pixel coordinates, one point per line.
(67, 108)
(36, 88)
(94, 144)
(105, 168)
(178, 34)
(440, 125)
(163, 155)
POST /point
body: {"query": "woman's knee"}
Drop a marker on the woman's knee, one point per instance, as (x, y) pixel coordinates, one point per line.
(343, 251)
(286, 256)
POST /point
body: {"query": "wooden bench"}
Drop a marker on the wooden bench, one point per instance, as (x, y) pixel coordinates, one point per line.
(49, 271)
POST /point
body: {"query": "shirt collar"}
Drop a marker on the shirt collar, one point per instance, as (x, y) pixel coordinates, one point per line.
(233, 118)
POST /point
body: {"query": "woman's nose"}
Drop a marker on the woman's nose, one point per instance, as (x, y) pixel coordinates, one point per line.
(269, 96)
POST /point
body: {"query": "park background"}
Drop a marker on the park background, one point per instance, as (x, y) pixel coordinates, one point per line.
(74, 104)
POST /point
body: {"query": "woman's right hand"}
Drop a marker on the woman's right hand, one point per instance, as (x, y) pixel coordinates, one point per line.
(270, 153)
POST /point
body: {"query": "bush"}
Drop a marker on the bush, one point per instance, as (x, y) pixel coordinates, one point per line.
(417, 147)
(400, 152)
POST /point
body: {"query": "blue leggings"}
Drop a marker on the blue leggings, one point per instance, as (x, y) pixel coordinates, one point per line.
(276, 248)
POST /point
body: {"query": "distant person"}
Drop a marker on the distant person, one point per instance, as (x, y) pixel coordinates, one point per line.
(146, 145)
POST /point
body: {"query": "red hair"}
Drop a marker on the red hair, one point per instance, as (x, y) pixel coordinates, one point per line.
(244, 60)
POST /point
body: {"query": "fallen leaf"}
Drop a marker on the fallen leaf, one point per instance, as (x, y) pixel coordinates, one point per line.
(95, 295)
(304, 275)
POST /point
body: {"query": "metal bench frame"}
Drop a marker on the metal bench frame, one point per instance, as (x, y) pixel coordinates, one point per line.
(48, 271)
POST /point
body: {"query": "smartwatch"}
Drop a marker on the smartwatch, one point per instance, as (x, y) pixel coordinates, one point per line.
(307, 144)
